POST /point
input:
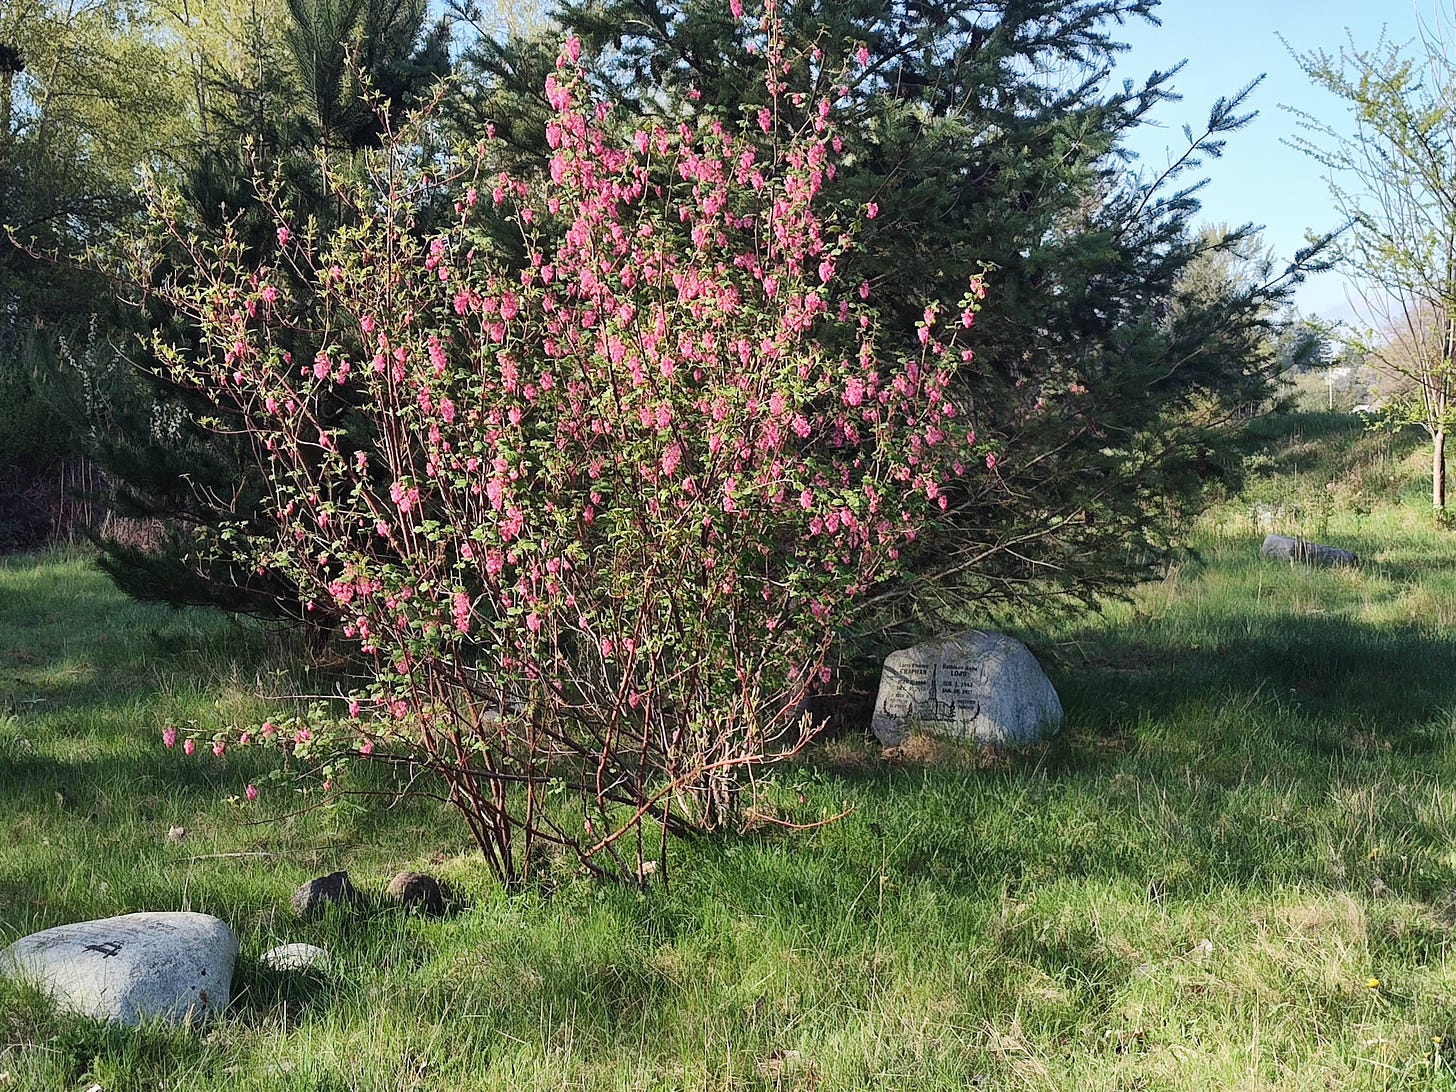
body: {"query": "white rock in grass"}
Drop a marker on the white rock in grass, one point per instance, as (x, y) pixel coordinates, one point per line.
(977, 687)
(168, 966)
(296, 957)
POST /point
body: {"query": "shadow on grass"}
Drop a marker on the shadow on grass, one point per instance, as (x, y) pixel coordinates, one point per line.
(1220, 748)
(1341, 670)
(1226, 746)
(264, 995)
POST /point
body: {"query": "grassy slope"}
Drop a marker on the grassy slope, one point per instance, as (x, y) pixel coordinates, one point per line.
(1251, 815)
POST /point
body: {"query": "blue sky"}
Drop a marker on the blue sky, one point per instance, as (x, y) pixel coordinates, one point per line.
(1226, 44)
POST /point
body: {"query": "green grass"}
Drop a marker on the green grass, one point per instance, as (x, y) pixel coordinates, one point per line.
(1250, 815)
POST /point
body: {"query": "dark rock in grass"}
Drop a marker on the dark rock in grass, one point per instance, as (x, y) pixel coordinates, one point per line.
(977, 687)
(316, 895)
(162, 966)
(1285, 548)
(417, 891)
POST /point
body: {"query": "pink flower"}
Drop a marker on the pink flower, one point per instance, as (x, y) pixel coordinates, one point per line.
(871, 210)
(283, 236)
(406, 498)
(188, 746)
(169, 737)
(736, 7)
(218, 746)
(251, 792)
(862, 55)
(991, 462)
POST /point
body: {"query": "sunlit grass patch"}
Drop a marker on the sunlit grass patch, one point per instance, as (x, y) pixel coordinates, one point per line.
(1249, 818)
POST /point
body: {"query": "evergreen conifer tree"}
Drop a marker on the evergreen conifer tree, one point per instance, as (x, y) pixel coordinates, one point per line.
(990, 133)
(307, 99)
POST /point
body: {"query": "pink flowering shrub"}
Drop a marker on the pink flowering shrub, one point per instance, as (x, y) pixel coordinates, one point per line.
(594, 517)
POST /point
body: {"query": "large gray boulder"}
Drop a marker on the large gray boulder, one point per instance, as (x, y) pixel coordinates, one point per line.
(1285, 548)
(976, 687)
(168, 966)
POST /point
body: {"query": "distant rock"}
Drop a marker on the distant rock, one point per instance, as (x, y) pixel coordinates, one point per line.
(417, 891)
(1284, 548)
(977, 687)
(170, 966)
(315, 896)
(295, 957)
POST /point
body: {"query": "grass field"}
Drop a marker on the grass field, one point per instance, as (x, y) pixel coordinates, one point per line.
(1234, 869)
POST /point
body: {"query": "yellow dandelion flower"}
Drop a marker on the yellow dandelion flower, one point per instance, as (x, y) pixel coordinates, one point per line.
(1372, 983)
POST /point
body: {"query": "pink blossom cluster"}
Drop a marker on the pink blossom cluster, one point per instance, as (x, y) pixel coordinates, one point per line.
(616, 501)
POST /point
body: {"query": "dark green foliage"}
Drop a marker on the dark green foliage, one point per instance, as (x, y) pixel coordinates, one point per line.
(360, 60)
(990, 133)
(359, 63)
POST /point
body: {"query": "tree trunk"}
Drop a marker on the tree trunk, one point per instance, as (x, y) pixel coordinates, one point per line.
(1438, 471)
(9, 66)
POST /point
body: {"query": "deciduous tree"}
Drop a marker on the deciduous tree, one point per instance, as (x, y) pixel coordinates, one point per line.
(1392, 172)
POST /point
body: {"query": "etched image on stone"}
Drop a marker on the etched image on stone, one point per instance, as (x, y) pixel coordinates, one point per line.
(982, 687)
(903, 686)
(953, 689)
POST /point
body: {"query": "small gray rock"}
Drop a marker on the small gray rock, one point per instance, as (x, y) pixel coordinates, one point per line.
(977, 687)
(417, 891)
(315, 896)
(170, 966)
(295, 957)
